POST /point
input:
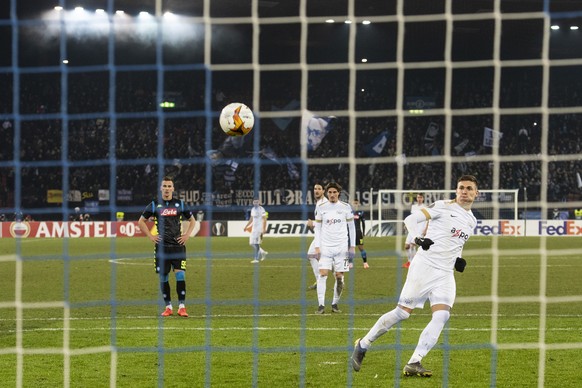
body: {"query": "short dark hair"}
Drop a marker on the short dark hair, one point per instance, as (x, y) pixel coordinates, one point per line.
(334, 185)
(168, 178)
(470, 178)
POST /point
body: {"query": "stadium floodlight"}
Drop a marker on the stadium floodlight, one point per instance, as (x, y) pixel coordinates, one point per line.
(348, 22)
(79, 9)
(145, 17)
(366, 22)
(330, 21)
(170, 15)
(100, 11)
(555, 27)
(58, 8)
(573, 28)
(120, 12)
(364, 60)
(167, 104)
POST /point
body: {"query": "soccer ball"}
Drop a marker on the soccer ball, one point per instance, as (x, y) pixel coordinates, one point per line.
(236, 119)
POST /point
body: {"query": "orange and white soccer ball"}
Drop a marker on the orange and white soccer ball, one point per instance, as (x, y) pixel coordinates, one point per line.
(236, 119)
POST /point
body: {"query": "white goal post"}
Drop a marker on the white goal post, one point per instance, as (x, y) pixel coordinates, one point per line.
(394, 205)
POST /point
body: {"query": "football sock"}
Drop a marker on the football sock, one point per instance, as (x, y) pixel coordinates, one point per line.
(430, 335)
(336, 296)
(321, 285)
(364, 255)
(256, 247)
(165, 286)
(181, 290)
(382, 325)
(181, 285)
(410, 252)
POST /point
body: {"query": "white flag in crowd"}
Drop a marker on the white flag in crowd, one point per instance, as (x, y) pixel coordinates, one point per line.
(489, 136)
(315, 127)
(432, 131)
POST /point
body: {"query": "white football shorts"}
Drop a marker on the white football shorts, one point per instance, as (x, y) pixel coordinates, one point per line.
(426, 282)
(255, 238)
(334, 258)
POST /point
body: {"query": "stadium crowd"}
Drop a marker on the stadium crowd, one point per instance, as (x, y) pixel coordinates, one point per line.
(96, 143)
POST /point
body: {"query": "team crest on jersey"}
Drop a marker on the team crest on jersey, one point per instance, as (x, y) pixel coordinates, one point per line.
(169, 212)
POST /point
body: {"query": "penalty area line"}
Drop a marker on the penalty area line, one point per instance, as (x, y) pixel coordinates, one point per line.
(126, 261)
(8, 257)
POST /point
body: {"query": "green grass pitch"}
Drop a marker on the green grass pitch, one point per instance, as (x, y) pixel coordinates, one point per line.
(254, 325)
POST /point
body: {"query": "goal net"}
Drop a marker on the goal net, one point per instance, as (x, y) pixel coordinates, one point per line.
(102, 99)
(394, 205)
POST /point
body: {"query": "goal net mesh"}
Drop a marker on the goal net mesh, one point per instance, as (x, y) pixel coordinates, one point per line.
(97, 105)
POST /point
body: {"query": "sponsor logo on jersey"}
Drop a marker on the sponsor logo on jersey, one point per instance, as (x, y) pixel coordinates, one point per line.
(459, 234)
(169, 212)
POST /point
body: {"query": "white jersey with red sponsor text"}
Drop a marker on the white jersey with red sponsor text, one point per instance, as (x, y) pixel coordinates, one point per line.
(450, 227)
(334, 218)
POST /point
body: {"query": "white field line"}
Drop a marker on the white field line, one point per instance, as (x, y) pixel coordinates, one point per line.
(122, 318)
(278, 328)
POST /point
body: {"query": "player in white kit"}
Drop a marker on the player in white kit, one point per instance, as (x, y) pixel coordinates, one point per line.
(257, 225)
(409, 245)
(335, 243)
(431, 273)
(311, 256)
